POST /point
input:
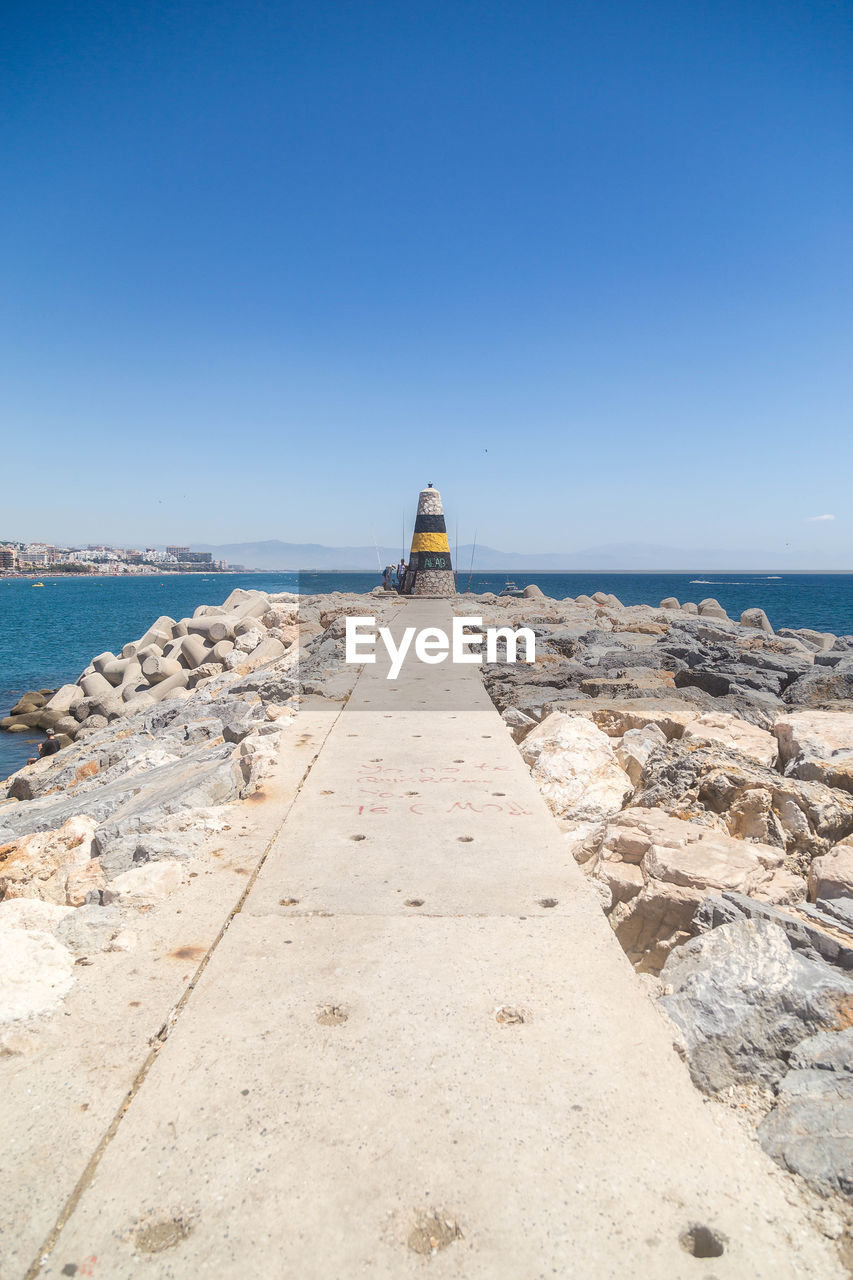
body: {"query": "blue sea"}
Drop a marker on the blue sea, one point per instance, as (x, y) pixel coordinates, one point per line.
(49, 634)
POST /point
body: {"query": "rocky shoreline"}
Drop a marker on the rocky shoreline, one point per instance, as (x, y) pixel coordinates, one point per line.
(156, 744)
(701, 769)
(249, 630)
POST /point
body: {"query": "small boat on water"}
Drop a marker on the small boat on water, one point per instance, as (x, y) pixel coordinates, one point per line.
(38, 584)
(511, 589)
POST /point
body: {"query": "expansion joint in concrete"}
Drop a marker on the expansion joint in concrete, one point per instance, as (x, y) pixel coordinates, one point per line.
(159, 1040)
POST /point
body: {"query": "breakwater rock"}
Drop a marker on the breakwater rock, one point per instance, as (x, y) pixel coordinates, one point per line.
(249, 630)
(162, 741)
(702, 770)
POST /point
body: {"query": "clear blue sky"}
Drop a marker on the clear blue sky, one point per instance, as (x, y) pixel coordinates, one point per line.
(268, 268)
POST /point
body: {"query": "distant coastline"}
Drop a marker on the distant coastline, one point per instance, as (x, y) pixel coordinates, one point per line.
(461, 571)
(159, 573)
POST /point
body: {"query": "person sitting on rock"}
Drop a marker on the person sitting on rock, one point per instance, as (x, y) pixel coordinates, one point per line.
(48, 748)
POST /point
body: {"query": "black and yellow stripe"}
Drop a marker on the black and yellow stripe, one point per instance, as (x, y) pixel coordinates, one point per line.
(430, 542)
(430, 548)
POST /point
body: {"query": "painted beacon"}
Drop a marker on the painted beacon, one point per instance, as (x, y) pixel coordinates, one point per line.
(430, 572)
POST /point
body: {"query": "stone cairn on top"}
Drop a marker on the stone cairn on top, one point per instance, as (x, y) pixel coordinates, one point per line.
(430, 572)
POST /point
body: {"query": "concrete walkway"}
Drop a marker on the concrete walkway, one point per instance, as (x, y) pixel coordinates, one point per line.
(418, 1050)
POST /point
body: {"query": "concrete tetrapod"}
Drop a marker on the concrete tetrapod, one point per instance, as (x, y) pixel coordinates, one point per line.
(156, 670)
(221, 650)
(159, 633)
(116, 671)
(218, 627)
(95, 684)
(194, 651)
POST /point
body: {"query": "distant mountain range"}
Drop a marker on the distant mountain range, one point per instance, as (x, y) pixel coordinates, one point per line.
(627, 556)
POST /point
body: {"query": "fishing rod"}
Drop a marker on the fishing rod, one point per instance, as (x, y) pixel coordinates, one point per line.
(473, 549)
(456, 556)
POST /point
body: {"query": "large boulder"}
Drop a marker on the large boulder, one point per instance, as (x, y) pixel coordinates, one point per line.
(628, 682)
(248, 637)
(711, 656)
(533, 699)
(810, 1130)
(575, 767)
(831, 876)
(203, 776)
(616, 716)
(634, 748)
(739, 735)
(756, 618)
(743, 999)
(624, 661)
(145, 886)
(822, 932)
(39, 865)
(92, 722)
(27, 703)
(84, 884)
(819, 686)
(735, 677)
(659, 869)
(817, 641)
(723, 788)
(36, 972)
(32, 913)
(817, 746)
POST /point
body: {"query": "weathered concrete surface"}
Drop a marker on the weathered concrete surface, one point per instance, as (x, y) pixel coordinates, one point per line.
(61, 1087)
(426, 1041)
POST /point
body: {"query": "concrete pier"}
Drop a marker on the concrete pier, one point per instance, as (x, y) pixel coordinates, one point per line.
(418, 1049)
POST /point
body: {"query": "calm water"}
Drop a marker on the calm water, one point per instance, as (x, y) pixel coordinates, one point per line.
(48, 635)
